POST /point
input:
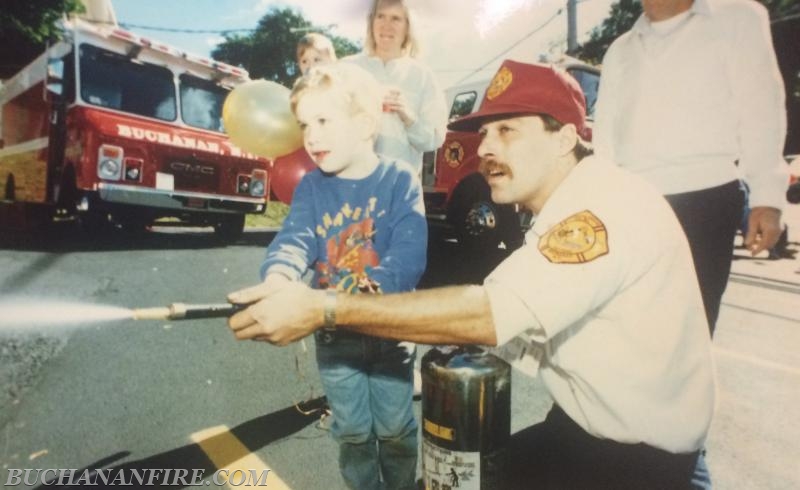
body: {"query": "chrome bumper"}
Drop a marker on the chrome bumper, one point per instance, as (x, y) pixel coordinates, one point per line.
(181, 200)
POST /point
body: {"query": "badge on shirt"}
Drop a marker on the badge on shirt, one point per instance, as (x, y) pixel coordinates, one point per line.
(580, 238)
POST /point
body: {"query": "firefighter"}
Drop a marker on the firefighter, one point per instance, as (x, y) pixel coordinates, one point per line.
(603, 295)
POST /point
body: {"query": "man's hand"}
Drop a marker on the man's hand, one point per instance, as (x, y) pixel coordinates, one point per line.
(280, 316)
(763, 229)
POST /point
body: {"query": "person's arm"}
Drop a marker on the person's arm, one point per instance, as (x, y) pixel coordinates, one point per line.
(427, 131)
(606, 107)
(294, 248)
(403, 262)
(452, 315)
(758, 96)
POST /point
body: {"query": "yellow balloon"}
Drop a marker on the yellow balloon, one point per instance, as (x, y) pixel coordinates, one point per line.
(258, 119)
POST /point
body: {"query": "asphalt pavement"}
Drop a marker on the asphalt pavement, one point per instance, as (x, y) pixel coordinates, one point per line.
(49, 419)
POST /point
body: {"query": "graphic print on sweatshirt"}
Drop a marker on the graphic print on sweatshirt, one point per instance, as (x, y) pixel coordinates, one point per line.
(350, 251)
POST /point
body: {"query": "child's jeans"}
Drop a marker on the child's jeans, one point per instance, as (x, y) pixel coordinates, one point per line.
(369, 386)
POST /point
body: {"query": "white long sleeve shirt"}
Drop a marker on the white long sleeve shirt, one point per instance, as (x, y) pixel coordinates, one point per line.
(682, 100)
(396, 141)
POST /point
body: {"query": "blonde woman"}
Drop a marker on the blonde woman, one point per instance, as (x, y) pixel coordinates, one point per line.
(414, 109)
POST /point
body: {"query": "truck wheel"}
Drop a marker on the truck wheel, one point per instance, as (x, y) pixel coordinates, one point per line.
(93, 222)
(37, 216)
(67, 197)
(134, 226)
(479, 222)
(230, 229)
(23, 215)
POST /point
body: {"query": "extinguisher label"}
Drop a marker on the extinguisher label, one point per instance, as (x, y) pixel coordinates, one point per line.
(444, 469)
(439, 431)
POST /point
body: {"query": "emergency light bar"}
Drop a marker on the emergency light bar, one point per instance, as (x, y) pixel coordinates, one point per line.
(166, 49)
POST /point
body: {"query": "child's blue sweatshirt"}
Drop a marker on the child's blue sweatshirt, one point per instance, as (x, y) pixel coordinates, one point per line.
(364, 235)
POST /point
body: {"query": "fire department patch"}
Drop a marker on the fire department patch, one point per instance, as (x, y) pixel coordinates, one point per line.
(502, 79)
(580, 238)
(454, 153)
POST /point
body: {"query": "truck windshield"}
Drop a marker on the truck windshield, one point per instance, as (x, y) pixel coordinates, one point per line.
(111, 80)
(201, 103)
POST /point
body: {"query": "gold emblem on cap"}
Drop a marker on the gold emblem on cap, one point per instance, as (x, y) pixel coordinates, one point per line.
(580, 238)
(502, 79)
(454, 154)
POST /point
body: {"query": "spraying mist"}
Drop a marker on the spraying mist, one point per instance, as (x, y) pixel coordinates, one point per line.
(28, 314)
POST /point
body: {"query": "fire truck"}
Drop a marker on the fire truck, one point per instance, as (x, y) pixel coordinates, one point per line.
(116, 129)
(457, 197)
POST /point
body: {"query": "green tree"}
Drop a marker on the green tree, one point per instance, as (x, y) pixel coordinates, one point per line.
(779, 9)
(621, 17)
(269, 51)
(26, 26)
(623, 14)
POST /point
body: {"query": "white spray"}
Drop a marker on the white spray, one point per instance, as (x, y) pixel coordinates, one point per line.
(27, 314)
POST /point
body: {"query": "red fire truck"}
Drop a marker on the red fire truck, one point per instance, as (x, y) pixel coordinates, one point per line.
(456, 195)
(114, 128)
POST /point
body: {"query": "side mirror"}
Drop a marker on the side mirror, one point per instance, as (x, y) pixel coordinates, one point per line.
(55, 79)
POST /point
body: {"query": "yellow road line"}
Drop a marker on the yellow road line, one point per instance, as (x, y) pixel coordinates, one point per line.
(227, 452)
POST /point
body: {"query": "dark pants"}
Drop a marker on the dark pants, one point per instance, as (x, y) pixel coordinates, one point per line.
(558, 454)
(710, 218)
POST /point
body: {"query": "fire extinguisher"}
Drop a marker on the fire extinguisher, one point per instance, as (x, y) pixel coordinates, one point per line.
(466, 417)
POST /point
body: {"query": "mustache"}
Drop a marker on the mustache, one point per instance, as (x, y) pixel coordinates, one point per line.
(489, 165)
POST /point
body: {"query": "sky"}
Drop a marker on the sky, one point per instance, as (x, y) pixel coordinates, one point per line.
(462, 40)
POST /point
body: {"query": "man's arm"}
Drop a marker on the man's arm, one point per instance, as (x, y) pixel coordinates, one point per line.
(607, 104)
(452, 315)
(758, 97)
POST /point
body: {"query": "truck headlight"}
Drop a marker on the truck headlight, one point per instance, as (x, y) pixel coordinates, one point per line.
(109, 162)
(257, 188)
(109, 169)
(258, 183)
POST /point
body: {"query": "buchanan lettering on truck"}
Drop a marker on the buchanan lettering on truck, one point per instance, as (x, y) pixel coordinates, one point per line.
(457, 197)
(111, 127)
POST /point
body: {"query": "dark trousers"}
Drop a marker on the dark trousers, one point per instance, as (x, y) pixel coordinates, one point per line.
(710, 218)
(557, 454)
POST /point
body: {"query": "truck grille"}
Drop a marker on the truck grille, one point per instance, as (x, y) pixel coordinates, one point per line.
(194, 176)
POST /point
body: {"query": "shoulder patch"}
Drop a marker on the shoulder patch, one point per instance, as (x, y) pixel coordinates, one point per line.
(580, 238)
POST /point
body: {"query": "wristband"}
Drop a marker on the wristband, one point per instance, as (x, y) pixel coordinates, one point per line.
(329, 308)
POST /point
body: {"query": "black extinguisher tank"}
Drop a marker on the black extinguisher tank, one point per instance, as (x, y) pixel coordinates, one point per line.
(466, 418)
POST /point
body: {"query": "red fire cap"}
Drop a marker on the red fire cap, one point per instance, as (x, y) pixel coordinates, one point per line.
(519, 89)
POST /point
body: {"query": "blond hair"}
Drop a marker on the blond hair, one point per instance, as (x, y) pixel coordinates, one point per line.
(358, 89)
(316, 41)
(410, 46)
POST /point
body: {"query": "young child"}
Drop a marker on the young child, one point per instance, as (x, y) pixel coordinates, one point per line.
(314, 49)
(359, 222)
